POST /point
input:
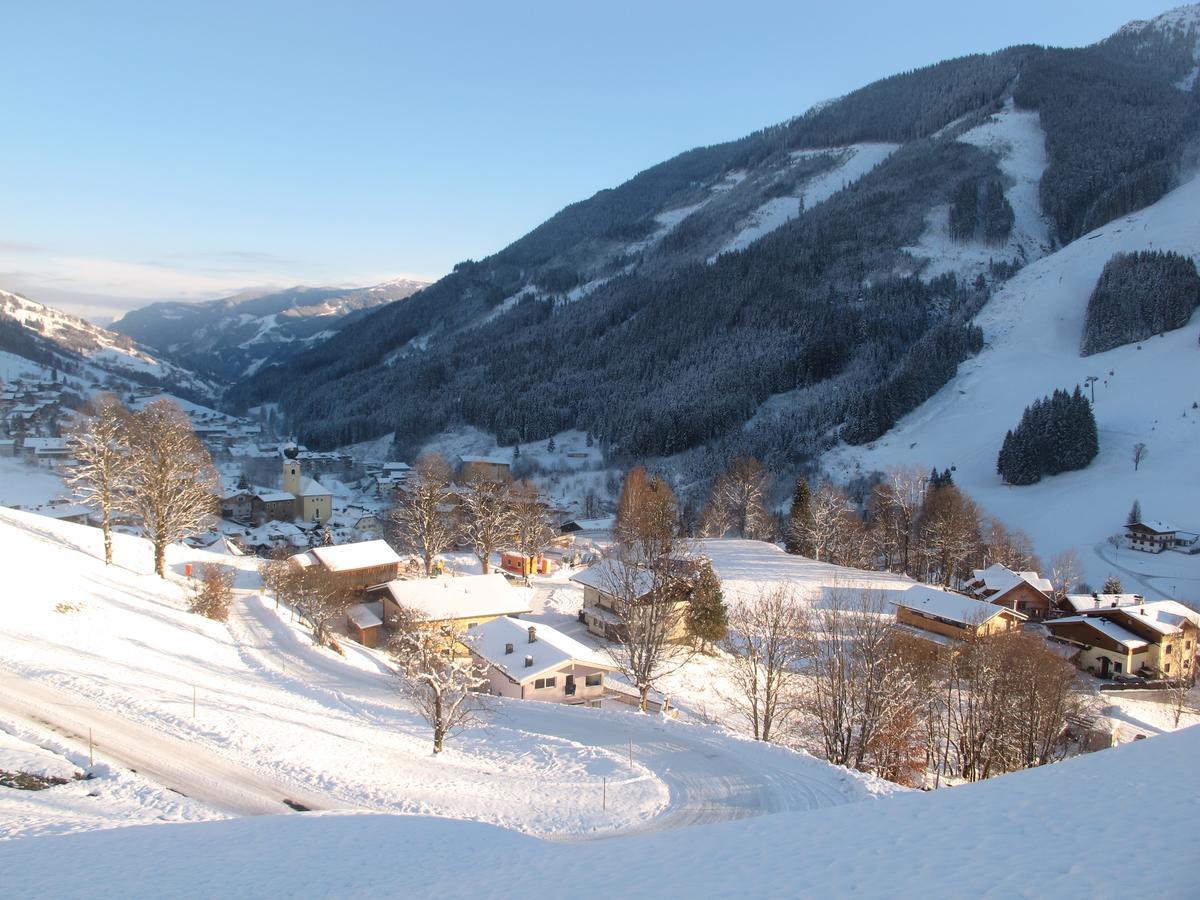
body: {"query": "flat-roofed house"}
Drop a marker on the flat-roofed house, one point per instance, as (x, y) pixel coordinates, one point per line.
(357, 566)
(457, 603)
(537, 662)
(936, 615)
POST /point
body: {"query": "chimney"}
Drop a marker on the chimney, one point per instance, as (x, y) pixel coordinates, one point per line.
(532, 635)
(508, 648)
(529, 662)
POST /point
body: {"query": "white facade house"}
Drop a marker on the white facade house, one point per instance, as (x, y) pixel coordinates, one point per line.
(537, 662)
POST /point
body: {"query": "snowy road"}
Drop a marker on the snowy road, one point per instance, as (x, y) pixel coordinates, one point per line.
(177, 764)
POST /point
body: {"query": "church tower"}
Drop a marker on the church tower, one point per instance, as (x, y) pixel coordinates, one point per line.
(291, 476)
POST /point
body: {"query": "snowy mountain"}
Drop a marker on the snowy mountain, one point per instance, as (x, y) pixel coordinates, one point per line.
(1145, 392)
(53, 339)
(810, 282)
(237, 336)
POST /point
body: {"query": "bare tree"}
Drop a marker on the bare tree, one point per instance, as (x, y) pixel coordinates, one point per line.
(440, 683)
(100, 475)
(836, 532)
(532, 532)
(647, 513)
(172, 483)
(1010, 547)
(316, 595)
(1140, 452)
(646, 596)
(422, 519)
(1180, 694)
(487, 518)
(213, 596)
(863, 693)
(950, 534)
(737, 505)
(766, 641)
(1065, 571)
(894, 507)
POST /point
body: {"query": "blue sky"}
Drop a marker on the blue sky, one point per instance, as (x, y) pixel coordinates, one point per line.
(188, 150)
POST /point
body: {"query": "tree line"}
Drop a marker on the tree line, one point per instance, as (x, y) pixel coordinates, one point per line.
(1137, 296)
(1056, 434)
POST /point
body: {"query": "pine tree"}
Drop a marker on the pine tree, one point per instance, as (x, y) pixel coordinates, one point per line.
(798, 535)
(707, 618)
(1135, 513)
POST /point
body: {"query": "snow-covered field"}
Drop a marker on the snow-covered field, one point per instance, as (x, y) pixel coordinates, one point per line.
(1146, 392)
(113, 650)
(1042, 832)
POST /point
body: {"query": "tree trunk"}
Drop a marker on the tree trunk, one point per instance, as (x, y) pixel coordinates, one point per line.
(644, 696)
(483, 562)
(160, 557)
(428, 558)
(106, 527)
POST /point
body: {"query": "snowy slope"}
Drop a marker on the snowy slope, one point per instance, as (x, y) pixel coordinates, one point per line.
(1042, 832)
(1017, 139)
(279, 719)
(854, 162)
(1146, 392)
(103, 351)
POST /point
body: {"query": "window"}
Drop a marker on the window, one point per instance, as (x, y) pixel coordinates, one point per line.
(592, 680)
(551, 682)
(471, 625)
(1168, 669)
(539, 684)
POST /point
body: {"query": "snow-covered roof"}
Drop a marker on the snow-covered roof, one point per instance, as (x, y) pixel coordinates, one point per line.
(1111, 629)
(310, 487)
(461, 597)
(604, 524)
(1001, 578)
(348, 557)
(362, 616)
(952, 607)
(1163, 616)
(65, 511)
(45, 443)
(275, 496)
(1158, 526)
(551, 651)
(1088, 602)
(610, 576)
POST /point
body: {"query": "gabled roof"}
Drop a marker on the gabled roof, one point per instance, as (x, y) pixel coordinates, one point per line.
(310, 487)
(489, 460)
(609, 576)
(1110, 629)
(349, 557)
(1162, 616)
(951, 607)
(1082, 603)
(463, 597)
(1001, 579)
(1158, 526)
(551, 651)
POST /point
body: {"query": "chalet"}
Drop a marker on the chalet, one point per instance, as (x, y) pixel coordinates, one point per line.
(46, 451)
(606, 585)
(944, 617)
(272, 506)
(537, 662)
(1150, 640)
(1024, 592)
(484, 468)
(1151, 537)
(1077, 604)
(237, 505)
(459, 604)
(357, 566)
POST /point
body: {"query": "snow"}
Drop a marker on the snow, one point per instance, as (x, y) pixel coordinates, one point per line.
(359, 555)
(1043, 827)
(460, 597)
(947, 605)
(277, 718)
(1000, 578)
(1016, 137)
(1144, 393)
(854, 162)
(747, 568)
(550, 651)
(24, 485)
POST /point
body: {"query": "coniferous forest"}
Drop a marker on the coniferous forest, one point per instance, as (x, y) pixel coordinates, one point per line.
(1056, 434)
(1138, 296)
(675, 348)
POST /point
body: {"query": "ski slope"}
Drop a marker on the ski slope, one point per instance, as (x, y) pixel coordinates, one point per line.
(277, 719)
(1145, 392)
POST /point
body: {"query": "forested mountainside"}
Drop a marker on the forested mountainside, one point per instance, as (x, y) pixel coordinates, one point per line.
(58, 341)
(829, 265)
(235, 337)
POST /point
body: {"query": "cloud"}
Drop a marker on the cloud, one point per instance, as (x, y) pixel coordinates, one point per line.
(7, 247)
